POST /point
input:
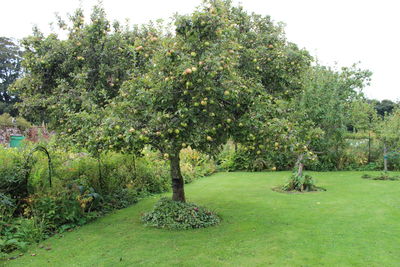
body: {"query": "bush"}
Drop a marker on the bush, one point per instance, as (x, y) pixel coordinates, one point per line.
(122, 198)
(171, 214)
(13, 173)
(301, 183)
(244, 159)
(195, 165)
(152, 174)
(238, 159)
(7, 207)
(6, 121)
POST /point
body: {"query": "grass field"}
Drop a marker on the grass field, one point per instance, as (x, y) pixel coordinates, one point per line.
(356, 222)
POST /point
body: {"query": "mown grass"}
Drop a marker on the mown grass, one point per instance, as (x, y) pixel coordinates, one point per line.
(356, 222)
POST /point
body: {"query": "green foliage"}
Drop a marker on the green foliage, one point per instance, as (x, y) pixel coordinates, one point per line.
(7, 121)
(327, 102)
(277, 144)
(31, 211)
(10, 70)
(62, 208)
(195, 164)
(388, 129)
(246, 160)
(384, 107)
(7, 207)
(13, 173)
(301, 183)
(76, 75)
(191, 94)
(363, 116)
(176, 215)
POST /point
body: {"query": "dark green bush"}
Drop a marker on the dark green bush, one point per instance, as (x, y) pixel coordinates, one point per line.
(366, 176)
(171, 214)
(242, 159)
(13, 174)
(7, 207)
(121, 199)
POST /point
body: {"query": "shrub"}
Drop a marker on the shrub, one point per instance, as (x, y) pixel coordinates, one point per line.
(18, 233)
(301, 183)
(7, 207)
(7, 121)
(13, 174)
(171, 214)
(151, 173)
(122, 198)
(57, 210)
(243, 159)
(195, 164)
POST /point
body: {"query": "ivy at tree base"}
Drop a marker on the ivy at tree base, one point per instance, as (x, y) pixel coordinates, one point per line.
(174, 215)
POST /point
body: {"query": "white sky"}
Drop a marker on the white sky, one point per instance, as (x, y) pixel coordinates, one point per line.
(342, 31)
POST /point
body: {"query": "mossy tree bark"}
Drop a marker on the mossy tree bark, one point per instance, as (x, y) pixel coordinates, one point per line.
(178, 192)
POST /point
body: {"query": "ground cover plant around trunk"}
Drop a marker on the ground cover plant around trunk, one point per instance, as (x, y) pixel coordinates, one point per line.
(178, 215)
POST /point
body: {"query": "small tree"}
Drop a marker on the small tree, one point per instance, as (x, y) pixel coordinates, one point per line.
(388, 133)
(302, 138)
(327, 102)
(364, 119)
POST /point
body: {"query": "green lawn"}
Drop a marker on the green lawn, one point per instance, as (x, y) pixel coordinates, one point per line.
(355, 223)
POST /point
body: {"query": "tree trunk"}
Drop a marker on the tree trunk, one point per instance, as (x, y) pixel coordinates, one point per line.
(300, 165)
(385, 158)
(369, 147)
(338, 162)
(101, 180)
(178, 192)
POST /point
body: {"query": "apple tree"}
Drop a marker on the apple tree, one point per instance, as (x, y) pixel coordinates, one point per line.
(192, 94)
(68, 81)
(279, 66)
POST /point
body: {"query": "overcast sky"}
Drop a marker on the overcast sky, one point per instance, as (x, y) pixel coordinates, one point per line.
(342, 31)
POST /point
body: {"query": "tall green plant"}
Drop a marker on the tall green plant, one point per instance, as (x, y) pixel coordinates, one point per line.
(327, 102)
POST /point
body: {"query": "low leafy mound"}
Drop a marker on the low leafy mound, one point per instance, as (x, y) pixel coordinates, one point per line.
(384, 176)
(171, 214)
(299, 183)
